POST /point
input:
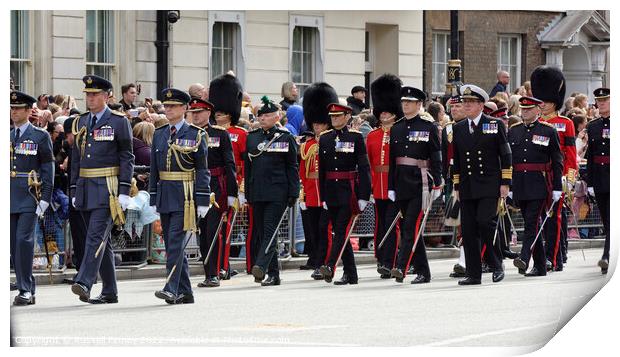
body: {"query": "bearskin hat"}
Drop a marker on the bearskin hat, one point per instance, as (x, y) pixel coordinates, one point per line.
(386, 94)
(549, 85)
(316, 98)
(226, 94)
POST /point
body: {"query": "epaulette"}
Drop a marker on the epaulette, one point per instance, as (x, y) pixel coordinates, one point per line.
(197, 127)
(118, 113)
(240, 127)
(517, 124)
(325, 132)
(83, 114)
(217, 127)
(39, 129)
(354, 131)
(428, 118)
(163, 126)
(546, 123)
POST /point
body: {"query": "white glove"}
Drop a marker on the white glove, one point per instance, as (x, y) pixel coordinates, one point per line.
(202, 211)
(435, 194)
(231, 201)
(510, 194)
(154, 207)
(242, 199)
(73, 202)
(324, 206)
(362, 204)
(392, 195)
(557, 195)
(42, 207)
(302, 205)
(124, 201)
(591, 191)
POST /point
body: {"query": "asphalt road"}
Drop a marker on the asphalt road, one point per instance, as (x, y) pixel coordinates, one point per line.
(518, 312)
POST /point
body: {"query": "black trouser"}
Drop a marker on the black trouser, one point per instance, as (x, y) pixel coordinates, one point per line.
(505, 235)
(208, 227)
(341, 219)
(564, 236)
(497, 249)
(478, 226)
(385, 212)
(266, 217)
(602, 201)
(410, 224)
(553, 234)
(78, 236)
(531, 211)
(315, 221)
(252, 242)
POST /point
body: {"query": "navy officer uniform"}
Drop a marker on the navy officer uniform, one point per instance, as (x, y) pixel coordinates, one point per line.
(537, 171)
(271, 183)
(31, 159)
(482, 163)
(178, 185)
(102, 163)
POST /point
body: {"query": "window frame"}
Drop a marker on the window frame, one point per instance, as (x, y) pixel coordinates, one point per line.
(27, 83)
(515, 79)
(434, 63)
(113, 68)
(316, 22)
(239, 43)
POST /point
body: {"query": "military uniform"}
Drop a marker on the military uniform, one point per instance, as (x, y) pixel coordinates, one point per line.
(598, 169)
(31, 158)
(415, 153)
(344, 178)
(482, 162)
(179, 184)
(102, 163)
(271, 183)
(537, 166)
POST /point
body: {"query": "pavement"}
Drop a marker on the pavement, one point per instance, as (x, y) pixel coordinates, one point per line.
(520, 313)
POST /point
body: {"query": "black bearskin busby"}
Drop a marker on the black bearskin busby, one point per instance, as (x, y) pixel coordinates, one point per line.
(316, 98)
(226, 94)
(549, 85)
(386, 93)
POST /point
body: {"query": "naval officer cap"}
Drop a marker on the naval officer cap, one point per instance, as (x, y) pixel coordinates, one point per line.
(173, 96)
(412, 94)
(21, 100)
(470, 91)
(96, 84)
(601, 93)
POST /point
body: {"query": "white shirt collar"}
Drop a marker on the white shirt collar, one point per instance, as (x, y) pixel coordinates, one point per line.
(476, 120)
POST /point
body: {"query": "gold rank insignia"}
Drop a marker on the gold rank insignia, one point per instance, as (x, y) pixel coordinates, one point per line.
(89, 80)
(467, 91)
(169, 94)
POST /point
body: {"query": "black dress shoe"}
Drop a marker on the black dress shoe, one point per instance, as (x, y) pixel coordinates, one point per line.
(165, 295)
(521, 271)
(498, 276)
(258, 273)
(271, 281)
(386, 276)
(470, 281)
(383, 270)
(104, 299)
(210, 282)
(603, 271)
(536, 272)
(182, 299)
(458, 268)
(346, 280)
(327, 272)
(509, 254)
(24, 298)
(81, 291)
(455, 274)
(519, 263)
(603, 264)
(398, 274)
(316, 275)
(559, 268)
(420, 279)
(306, 267)
(13, 286)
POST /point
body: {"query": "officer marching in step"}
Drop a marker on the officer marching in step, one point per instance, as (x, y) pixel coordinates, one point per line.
(344, 179)
(537, 178)
(226, 95)
(482, 173)
(549, 85)
(102, 163)
(221, 163)
(271, 184)
(32, 180)
(598, 165)
(415, 168)
(314, 217)
(386, 94)
(179, 188)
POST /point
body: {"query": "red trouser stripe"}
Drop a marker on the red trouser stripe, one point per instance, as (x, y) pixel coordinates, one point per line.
(415, 234)
(482, 251)
(329, 241)
(248, 241)
(398, 237)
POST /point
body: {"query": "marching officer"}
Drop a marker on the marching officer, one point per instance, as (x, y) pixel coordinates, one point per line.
(272, 184)
(32, 180)
(598, 165)
(101, 170)
(386, 96)
(482, 173)
(179, 188)
(344, 179)
(414, 156)
(537, 178)
(549, 85)
(223, 184)
(317, 236)
(226, 95)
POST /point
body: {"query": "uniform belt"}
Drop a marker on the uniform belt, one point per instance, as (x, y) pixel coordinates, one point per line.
(176, 175)
(532, 167)
(16, 174)
(313, 175)
(100, 172)
(381, 168)
(217, 171)
(341, 175)
(601, 159)
(407, 161)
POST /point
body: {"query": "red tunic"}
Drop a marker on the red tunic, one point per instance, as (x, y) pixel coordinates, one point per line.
(378, 147)
(238, 137)
(566, 132)
(309, 173)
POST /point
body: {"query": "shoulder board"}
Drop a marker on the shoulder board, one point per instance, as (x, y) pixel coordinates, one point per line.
(118, 113)
(325, 132)
(354, 131)
(519, 123)
(39, 129)
(240, 127)
(427, 118)
(217, 127)
(546, 123)
(163, 126)
(83, 114)
(197, 127)
(283, 130)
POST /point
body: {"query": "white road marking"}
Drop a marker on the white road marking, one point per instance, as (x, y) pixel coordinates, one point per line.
(486, 334)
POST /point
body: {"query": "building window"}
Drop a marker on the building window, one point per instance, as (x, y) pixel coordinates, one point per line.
(441, 55)
(306, 51)
(20, 48)
(509, 59)
(100, 52)
(223, 53)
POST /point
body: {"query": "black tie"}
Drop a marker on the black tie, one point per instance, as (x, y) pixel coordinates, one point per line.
(473, 126)
(17, 134)
(173, 132)
(93, 121)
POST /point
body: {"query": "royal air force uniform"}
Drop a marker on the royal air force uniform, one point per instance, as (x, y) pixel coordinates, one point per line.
(415, 169)
(102, 163)
(271, 183)
(598, 169)
(32, 172)
(537, 172)
(482, 162)
(344, 178)
(178, 185)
